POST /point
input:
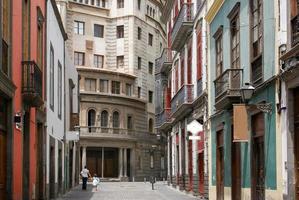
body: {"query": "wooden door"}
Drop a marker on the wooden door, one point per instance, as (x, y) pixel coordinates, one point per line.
(236, 168)
(201, 176)
(220, 166)
(258, 158)
(3, 145)
(296, 140)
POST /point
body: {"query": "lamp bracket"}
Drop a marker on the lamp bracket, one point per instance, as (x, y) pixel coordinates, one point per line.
(264, 107)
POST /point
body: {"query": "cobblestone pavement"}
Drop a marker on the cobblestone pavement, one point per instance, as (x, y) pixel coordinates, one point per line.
(127, 191)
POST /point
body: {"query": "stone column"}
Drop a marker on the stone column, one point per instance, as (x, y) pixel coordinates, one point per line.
(83, 157)
(125, 162)
(103, 157)
(120, 162)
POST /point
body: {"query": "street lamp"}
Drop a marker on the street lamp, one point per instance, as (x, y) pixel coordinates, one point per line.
(247, 92)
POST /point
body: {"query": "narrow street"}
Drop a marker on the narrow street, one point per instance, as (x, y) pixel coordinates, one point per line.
(127, 191)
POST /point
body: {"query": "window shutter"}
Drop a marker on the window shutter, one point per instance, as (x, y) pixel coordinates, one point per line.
(189, 67)
(199, 55)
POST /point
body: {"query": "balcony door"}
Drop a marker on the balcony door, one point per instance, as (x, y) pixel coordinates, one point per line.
(296, 140)
(3, 145)
(258, 158)
(220, 166)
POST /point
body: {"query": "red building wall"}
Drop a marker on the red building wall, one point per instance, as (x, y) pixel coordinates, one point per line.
(17, 182)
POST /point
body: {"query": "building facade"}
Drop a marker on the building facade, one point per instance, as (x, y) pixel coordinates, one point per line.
(114, 45)
(245, 151)
(288, 97)
(182, 95)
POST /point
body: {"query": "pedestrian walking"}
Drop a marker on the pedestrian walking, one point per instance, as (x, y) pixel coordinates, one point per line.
(84, 174)
(96, 181)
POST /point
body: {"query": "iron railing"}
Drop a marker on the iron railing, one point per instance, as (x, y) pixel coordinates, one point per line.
(166, 58)
(31, 79)
(163, 117)
(295, 30)
(184, 95)
(185, 15)
(230, 79)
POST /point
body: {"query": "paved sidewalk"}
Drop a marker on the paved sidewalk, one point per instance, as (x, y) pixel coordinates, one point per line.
(127, 191)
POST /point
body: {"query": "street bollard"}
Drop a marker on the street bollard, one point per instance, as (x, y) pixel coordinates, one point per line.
(144, 180)
(152, 182)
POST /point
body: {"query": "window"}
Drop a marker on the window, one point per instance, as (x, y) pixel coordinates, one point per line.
(86, 1)
(51, 77)
(104, 118)
(235, 42)
(154, 12)
(91, 119)
(150, 39)
(150, 67)
(40, 39)
(79, 58)
(139, 4)
(150, 125)
(90, 84)
(128, 89)
(120, 61)
(139, 62)
(139, 92)
(152, 161)
(120, 3)
(139, 33)
(150, 96)
(103, 86)
(182, 68)
(189, 63)
(256, 27)
(92, 2)
(219, 56)
(98, 3)
(103, 3)
(120, 31)
(98, 61)
(59, 86)
(98, 30)
(129, 122)
(147, 9)
(115, 87)
(79, 27)
(115, 120)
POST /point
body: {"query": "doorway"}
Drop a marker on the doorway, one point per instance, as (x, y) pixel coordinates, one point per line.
(190, 165)
(296, 140)
(26, 157)
(220, 165)
(201, 176)
(235, 167)
(3, 147)
(258, 157)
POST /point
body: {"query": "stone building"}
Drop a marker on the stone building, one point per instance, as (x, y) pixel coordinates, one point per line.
(114, 44)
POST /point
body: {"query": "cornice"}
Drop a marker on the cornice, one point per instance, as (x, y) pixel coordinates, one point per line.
(213, 10)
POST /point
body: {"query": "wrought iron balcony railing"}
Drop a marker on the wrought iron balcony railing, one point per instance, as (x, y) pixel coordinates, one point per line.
(295, 30)
(163, 117)
(32, 84)
(182, 26)
(227, 86)
(164, 61)
(183, 96)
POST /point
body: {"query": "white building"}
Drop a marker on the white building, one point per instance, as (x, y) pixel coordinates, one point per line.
(114, 44)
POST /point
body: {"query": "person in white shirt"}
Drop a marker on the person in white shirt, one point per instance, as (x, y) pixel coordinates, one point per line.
(84, 174)
(95, 181)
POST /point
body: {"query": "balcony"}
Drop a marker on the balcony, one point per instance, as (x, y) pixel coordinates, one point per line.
(32, 84)
(181, 103)
(163, 119)
(295, 30)
(107, 133)
(182, 27)
(227, 88)
(163, 64)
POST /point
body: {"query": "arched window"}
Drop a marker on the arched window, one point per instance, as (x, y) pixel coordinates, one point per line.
(91, 119)
(150, 125)
(104, 119)
(115, 119)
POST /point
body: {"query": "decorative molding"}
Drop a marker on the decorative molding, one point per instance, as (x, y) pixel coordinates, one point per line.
(214, 10)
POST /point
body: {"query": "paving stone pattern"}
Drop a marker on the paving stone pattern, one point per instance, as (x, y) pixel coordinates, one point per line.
(127, 191)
